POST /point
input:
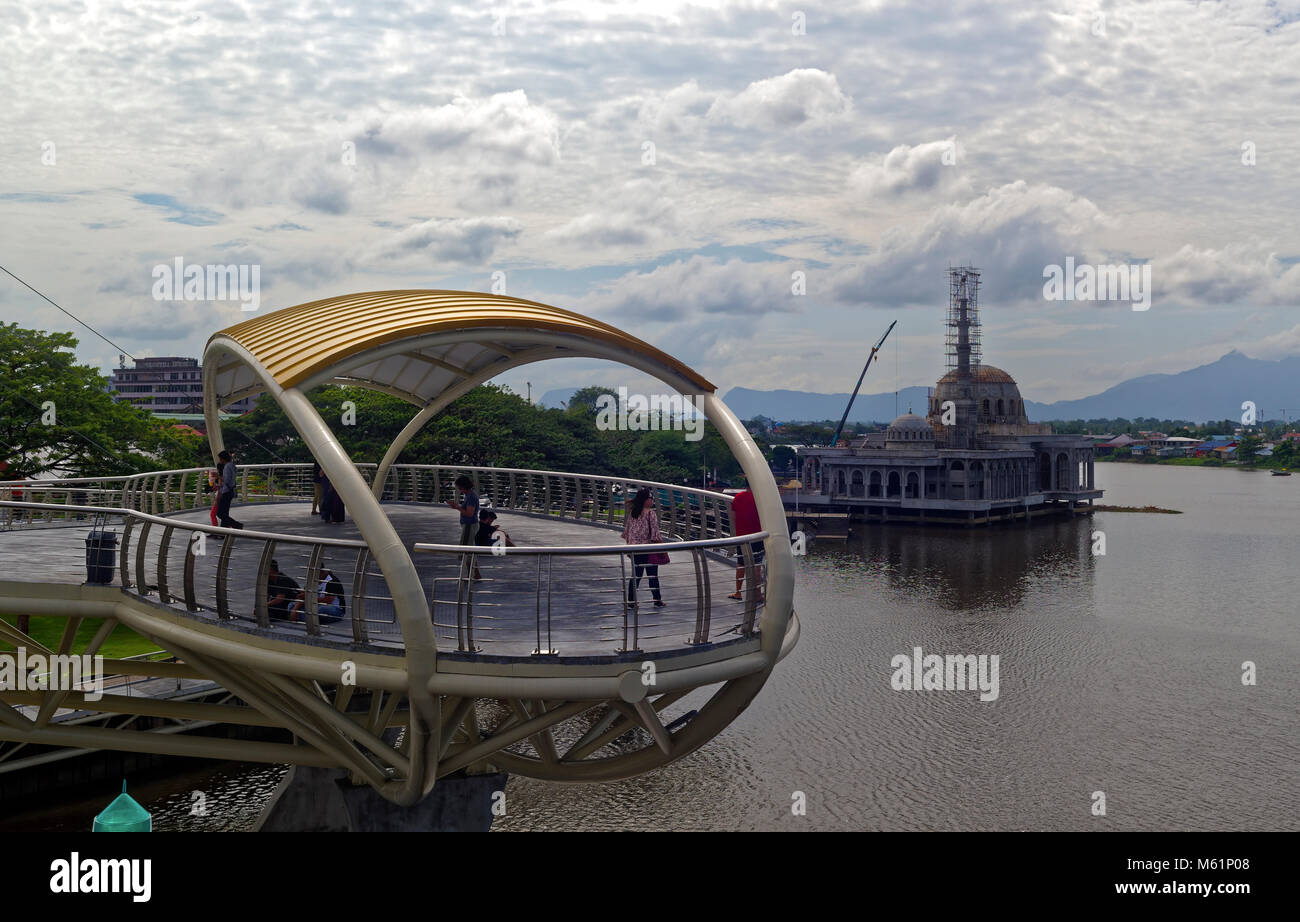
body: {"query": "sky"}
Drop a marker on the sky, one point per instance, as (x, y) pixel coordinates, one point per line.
(674, 169)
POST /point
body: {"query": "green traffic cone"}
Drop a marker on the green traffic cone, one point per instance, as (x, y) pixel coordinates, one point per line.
(124, 815)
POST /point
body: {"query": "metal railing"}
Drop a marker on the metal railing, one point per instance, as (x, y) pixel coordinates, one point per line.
(493, 597)
(171, 559)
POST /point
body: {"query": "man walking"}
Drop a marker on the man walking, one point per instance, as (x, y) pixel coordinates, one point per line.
(228, 485)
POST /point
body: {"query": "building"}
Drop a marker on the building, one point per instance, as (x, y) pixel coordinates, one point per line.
(165, 384)
(974, 457)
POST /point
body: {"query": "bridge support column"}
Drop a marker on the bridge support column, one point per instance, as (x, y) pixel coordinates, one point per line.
(324, 800)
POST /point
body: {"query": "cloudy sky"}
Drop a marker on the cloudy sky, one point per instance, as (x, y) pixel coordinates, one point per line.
(668, 167)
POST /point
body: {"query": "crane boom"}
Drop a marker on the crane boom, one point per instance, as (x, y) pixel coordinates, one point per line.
(845, 418)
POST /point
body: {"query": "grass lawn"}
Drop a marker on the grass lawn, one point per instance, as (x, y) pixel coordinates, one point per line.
(48, 630)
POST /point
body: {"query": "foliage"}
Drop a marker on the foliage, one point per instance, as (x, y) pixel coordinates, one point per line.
(490, 426)
(58, 417)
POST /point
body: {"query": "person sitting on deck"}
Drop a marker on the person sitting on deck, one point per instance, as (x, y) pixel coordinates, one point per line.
(488, 531)
(330, 606)
(280, 593)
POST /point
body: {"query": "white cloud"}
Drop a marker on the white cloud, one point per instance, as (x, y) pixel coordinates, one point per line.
(802, 96)
(455, 240)
(1011, 231)
(1237, 273)
(698, 287)
(923, 168)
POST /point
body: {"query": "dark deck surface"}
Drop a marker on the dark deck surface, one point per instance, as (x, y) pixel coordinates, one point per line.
(574, 603)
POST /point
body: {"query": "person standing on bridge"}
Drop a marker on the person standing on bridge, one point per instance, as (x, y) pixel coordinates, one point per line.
(228, 485)
(744, 521)
(642, 527)
(468, 515)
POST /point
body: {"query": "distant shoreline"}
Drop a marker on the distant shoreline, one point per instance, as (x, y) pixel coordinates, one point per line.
(1263, 465)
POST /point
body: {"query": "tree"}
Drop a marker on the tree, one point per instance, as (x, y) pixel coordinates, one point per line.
(59, 417)
(1248, 449)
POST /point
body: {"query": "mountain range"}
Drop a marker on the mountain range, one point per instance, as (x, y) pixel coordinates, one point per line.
(1208, 392)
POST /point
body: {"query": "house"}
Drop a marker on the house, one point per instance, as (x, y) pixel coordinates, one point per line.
(1213, 444)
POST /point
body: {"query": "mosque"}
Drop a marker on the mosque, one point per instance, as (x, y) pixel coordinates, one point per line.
(973, 458)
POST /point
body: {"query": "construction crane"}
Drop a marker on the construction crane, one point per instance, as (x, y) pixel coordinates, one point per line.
(874, 349)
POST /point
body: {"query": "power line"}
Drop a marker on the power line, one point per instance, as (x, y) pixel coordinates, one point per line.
(122, 350)
(70, 314)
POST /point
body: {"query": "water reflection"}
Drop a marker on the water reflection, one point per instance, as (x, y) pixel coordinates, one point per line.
(966, 569)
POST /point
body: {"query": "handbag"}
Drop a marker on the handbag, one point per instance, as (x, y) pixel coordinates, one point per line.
(658, 558)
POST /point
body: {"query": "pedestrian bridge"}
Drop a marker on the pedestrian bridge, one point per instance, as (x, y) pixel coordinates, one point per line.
(544, 666)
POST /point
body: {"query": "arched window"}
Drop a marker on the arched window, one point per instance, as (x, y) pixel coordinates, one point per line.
(1000, 410)
(1044, 471)
(856, 488)
(913, 484)
(986, 408)
(874, 488)
(1063, 479)
(839, 483)
(894, 484)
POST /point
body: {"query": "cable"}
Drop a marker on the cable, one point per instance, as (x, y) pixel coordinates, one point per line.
(166, 429)
(70, 314)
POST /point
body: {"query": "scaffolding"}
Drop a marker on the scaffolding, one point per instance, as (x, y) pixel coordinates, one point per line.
(963, 344)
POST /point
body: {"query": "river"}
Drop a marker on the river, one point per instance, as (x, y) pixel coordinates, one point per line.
(1119, 674)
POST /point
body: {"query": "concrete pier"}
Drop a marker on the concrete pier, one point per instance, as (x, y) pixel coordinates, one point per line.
(325, 800)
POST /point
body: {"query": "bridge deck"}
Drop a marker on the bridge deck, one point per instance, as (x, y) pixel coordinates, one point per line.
(578, 598)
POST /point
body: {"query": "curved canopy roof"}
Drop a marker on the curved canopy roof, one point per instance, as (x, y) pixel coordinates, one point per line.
(415, 344)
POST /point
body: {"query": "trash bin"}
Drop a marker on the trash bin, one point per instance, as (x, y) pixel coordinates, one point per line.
(101, 556)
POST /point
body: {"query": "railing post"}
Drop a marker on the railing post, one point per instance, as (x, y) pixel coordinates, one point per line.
(359, 632)
(751, 588)
(164, 544)
(127, 527)
(703, 601)
(623, 594)
(261, 587)
(310, 594)
(141, 584)
(191, 597)
(223, 576)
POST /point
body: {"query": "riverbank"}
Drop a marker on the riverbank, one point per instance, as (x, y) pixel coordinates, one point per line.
(1264, 464)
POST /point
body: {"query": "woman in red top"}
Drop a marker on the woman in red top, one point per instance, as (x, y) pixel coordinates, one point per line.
(643, 528)
(744, 521)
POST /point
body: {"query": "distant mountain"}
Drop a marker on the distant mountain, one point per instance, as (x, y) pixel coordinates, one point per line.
(1213, 391)
(556, 399)
(792, 406)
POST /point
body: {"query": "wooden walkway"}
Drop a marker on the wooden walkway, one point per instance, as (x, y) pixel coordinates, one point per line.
(569, 606)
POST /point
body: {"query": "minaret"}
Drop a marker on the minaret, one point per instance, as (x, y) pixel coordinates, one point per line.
(963, 320)
(964, 350)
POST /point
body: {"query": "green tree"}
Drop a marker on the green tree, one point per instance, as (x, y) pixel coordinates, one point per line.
(1248, 449)
(59, 417)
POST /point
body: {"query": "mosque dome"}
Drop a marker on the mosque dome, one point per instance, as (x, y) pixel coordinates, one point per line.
(909, 430)
(994, 393)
